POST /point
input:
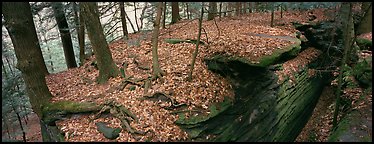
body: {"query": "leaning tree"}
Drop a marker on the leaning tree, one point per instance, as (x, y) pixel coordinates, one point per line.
(107, 68)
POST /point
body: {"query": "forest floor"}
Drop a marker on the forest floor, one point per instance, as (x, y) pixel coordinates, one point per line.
(230, 35)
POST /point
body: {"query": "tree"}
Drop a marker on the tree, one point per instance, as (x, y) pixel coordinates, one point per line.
(347, 33)
(272, 16)
(220, 10)
(194, 55)
(212, 10)
(136, 19)
(123, 19)
(157, 72)
(174, 12)
(366, 24)
(164, 16)
(237, 11)
(65, 34)
(187, 11)
(79, 22)
(21, 28)
(107, 68)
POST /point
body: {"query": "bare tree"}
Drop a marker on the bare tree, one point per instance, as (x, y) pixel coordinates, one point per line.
(123, 19)
(164, 16)
(272, 16)
(21, 28)
(237, 11)
(136, 17)
(347, 33)
(212, 10)
(194, 55)
(107, 68)
(366, 24)
(58, 9)
(157, 72)
(79, 22)
(174, 12)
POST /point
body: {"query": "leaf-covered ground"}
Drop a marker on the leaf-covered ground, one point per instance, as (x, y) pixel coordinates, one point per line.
(233, 37)
(319, 125)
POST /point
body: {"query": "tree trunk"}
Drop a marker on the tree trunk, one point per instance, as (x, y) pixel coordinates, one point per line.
(347, 33)
(4, 70)
(250, 7)
(21, 28)
(272, 16)
(229, 8)
(132, 26)
(157, 72)
(164, 18)
(79, 21)
(58, 10)
(142, 15)
(123, 19)
(220, 10)
(188, 11)
(19, 122)
(281, 7)
(366, 24)
(194, 55)
(136, 17)
(237, 9)
(174, 12)
(107, 68)
(212, 10)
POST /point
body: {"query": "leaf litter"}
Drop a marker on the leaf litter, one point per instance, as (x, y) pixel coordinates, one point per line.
(206, 88)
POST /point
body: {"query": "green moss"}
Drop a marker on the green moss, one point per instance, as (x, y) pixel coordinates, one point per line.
(289, 51)
(265, 61)
(364, 44)
(343, 126)
(214, 110)
(71, 107)
(176, 41)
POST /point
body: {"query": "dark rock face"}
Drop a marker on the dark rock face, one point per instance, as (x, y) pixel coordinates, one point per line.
(263, 110)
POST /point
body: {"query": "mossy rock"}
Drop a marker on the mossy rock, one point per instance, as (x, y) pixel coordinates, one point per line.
(265, 61)
(109, 133)
(215, 109)
(364, 44)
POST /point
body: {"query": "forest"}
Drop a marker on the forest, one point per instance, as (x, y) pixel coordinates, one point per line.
(186, 71)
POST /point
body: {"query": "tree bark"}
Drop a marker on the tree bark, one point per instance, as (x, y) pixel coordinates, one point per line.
(21, 28)
(281, 7)
(65, 34)
(272, 16)
(220, 10)
(366, 25)
(157, 72)
(164, 16)
(194, 55)
(136, 17)
(19, 122)
(174, 12)
(237, 11)
(79, 21)
(212, 10)
(132, 26)
(347, 33)
(123, 19)
(107, 68)
(187, 11)
(142, 15)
